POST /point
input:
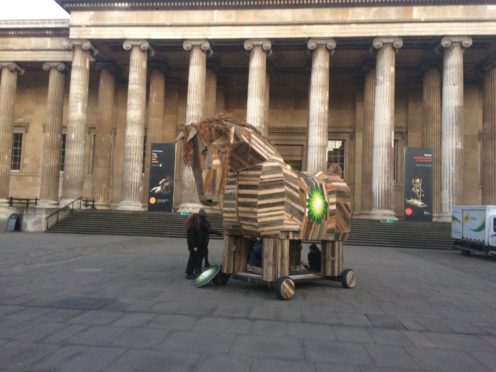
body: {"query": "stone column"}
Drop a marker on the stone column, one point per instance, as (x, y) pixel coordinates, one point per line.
(431, 129)
(73, 180)
(211, 94)
(383, 151)
(318, 112)
(50, 165)
(8, 86)
(255, 105)
(195, 108)
(368, 140)
(452, 124)
(103, 142)
(154, 134)
(489, 135)
(132, 179)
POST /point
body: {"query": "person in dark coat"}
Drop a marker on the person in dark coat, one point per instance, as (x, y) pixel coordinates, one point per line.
(205, 230)
(193, 267)
(314, 258)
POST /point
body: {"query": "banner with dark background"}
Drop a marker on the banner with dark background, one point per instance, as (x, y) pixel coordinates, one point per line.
(161, 188)
(417, 190)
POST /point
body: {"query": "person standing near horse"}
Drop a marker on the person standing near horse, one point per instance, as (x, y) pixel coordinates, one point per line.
(205, 229)
(193, 267)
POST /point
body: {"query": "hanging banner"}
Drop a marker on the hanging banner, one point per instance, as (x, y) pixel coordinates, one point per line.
(161, 188)
(417, 191)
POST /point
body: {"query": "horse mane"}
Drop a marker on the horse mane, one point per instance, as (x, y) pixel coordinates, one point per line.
(211, 129)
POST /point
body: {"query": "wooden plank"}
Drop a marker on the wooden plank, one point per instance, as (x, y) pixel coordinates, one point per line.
(228, 257)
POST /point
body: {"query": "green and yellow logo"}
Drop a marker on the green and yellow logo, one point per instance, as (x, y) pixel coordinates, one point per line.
(316, 204)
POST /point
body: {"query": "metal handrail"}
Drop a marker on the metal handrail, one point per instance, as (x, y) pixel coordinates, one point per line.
(65, 207)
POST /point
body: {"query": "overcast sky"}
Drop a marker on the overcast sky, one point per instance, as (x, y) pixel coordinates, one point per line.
(32, 9)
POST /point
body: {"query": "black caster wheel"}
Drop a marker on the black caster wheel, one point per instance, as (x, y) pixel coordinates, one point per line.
(285, 288)
(348, 278)
(221, 279)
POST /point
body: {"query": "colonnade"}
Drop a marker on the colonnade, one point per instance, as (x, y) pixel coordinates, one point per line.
(442, 116)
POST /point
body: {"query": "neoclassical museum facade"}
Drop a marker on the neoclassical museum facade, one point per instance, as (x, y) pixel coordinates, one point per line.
(352, 82)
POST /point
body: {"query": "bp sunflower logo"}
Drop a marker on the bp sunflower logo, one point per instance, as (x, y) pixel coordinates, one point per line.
(316, 204)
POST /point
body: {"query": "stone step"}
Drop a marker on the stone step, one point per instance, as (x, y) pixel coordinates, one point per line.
(363, 232)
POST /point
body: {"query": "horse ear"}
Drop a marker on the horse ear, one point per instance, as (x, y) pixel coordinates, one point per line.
(192, 133)
(181, 134)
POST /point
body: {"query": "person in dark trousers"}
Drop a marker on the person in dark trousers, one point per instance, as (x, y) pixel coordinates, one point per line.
(193, 267)
(205, 230)
(314, 258)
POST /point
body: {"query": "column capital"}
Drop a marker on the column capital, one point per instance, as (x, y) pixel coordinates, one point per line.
(329, 44)
(379, 42)
(204, 46)
(463, 41)
(82, 43)
(265, 44)
(142, 44)
(12, 67)
(59, 66)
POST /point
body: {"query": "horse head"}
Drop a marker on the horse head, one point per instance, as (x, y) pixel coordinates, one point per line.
(205, 147)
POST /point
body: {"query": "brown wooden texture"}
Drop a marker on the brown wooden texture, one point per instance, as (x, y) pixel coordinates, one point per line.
(332, 258)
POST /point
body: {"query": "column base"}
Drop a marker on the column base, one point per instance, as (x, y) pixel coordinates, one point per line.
(48, 204)
(190, 207)
(383, 214)
(130, 206)
(444, 218)
(102, 206)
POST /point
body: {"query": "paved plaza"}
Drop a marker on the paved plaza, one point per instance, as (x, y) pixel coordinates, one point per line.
(115, 303)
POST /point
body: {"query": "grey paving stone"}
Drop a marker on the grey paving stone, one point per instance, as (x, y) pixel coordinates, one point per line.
(459, 342)
(385, 321)
(21, 355)
(336, 352)
(352, 334)
(151, 361)
(490, 339)
(82, 303)
(65, 333)
(276, 365)
(269, 328)
(389, 337)
(387, 369)
(308, 330)
(291, 315)
(96, 317)
(39, 331)
(211, 324)
(445, 360)
(321, 317)
(9, 309)
(268, 347)
(240, 326)
(232, 310)
(356, 320)
(331, 367)
(90, 359)
(61, 315)
(141, 338)
(488, 359)
(418, 339)
(28, 313)
(203, 309)
(173, 321)
(55, 360)
(264, 312)
(204, 342)
(11, 327)
(133, 320)
(99, 336)
(390, 356)
(221, 362)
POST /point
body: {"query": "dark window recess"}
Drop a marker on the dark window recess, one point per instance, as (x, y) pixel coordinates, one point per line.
(62, 151)
(335, 154)
(294, 164)
(395, 160)
(144, 154)
(15, 163)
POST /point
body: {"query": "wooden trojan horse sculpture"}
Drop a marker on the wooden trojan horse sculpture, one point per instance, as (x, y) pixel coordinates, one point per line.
(259, 195)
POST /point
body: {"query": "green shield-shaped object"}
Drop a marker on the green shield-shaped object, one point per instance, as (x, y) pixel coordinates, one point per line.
(206, 276)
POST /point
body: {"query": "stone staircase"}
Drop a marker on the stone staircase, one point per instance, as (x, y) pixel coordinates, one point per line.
(363, 232)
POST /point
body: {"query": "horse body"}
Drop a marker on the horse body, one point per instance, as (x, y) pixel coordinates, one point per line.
(238, 170)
